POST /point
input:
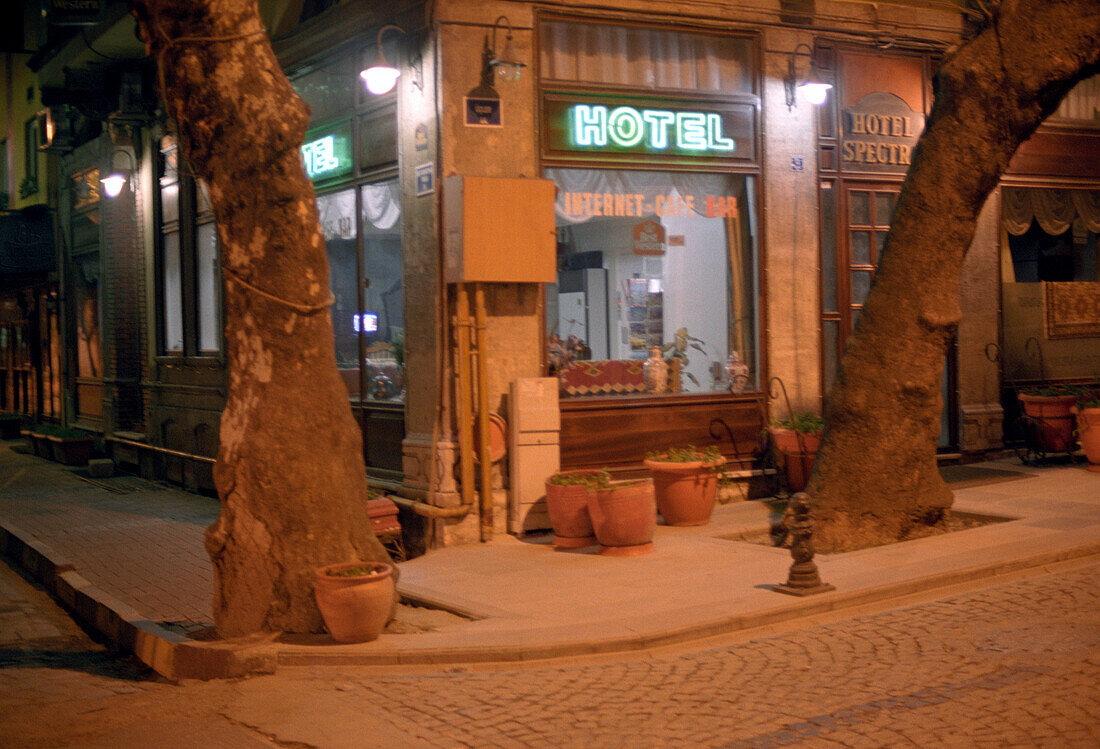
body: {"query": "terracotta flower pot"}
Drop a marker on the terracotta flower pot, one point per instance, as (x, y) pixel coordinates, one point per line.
(624, 516)
(567, 505)
(1088, 434)
(1052, 417)
(685, 490)
(356, 607)
(798, 450)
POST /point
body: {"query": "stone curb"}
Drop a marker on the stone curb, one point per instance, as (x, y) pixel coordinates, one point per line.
(170, 654)
(176, 657)
(352, 655)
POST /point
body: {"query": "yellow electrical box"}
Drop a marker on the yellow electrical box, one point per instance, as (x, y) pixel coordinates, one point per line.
(498, 229)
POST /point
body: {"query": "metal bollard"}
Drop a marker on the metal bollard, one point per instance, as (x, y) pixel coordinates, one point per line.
(803, 579)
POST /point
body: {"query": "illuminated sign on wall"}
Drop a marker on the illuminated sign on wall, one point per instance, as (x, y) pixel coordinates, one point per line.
(657, 129)
(328, 154)
(654, 127)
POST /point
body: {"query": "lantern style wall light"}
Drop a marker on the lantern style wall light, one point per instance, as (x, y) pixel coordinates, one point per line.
(381, 77)
(813, 89)
(507, 66)
(118, 177)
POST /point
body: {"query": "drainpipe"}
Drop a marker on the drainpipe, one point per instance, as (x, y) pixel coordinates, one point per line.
(462, 325)
(469, 352)
(485, 462)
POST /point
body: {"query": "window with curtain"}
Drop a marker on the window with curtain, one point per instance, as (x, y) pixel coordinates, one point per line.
(646, 58)
(190, 276)
(1052, 234)
(655, 259)
(1081, 104)
(659, 260)
(370, 324)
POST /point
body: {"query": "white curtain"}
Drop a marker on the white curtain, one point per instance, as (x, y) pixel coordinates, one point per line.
(1055, 210)
(645, 58)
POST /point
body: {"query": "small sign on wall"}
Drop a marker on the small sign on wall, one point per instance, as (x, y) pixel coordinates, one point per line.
(483, 112)
(425, 179)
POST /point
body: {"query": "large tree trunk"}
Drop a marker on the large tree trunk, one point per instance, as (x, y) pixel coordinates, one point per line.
(875, 478)
(290, 469)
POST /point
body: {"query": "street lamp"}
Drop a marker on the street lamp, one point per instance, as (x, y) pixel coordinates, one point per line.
(813, 89)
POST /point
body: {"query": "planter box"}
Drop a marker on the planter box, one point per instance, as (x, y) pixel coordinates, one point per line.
(38, 443)
(70, 451)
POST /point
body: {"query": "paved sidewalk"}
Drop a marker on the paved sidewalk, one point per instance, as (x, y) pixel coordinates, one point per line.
(126, 556)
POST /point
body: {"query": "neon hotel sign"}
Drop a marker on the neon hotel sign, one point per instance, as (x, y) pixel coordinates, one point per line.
(624, 127)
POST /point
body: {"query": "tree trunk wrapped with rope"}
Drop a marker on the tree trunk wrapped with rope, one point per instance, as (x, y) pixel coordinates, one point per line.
(289, 471)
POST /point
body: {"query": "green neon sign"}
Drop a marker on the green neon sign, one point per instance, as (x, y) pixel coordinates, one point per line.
(626, 127)
(664, 128)
(329, 154)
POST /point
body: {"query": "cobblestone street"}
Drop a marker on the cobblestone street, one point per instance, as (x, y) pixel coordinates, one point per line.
(1017, 664)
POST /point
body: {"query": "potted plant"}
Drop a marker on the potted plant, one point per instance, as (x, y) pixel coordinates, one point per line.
(567, 495)
(797, 438)
(356, 599)
(71, 447)
(1087, 411)
(1049, 412)
(624, 516)
(686, 482)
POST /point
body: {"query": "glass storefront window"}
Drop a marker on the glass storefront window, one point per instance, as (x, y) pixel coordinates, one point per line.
(89, 355)
(654, 259)
(190, 282)
(337, 214)
(208, 277)
(371, 325)
(383, 313)
(173, 294)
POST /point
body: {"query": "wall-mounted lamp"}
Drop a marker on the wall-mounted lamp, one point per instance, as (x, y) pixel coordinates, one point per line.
(381, 77)
(813, 89)
(506, 64)
(117, 177)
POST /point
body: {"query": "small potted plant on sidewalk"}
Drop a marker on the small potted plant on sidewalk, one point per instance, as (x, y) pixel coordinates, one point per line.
(686, 482)
(624, 516)
(567, 495)
(1048, 411)
(797, 439)
(1087, 411)
(356, 599)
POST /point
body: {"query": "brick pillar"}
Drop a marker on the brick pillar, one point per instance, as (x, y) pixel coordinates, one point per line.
(123, 309)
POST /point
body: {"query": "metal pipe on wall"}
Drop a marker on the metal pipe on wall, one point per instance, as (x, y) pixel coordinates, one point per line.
(485, 460)
(464, 395)
(462, 325)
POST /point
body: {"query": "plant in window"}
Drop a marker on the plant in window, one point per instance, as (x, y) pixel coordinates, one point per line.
(678, 348)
